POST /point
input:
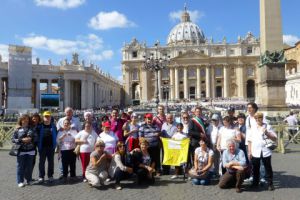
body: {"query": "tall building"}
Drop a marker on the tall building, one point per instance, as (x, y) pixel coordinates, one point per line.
(199, 67)
(292, 67)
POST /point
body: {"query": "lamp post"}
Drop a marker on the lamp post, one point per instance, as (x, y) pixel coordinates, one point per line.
(166, 89)
(155, 63)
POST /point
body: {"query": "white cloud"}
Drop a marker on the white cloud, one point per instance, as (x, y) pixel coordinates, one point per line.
(195, 15)
(4, 52)
(109, 20)
(89, 46)
(61, 4)
(290, 39)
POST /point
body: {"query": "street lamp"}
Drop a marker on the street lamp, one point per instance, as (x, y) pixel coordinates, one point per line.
(155, 63)
(166, 89)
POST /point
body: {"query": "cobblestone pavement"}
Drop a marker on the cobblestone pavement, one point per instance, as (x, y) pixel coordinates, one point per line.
(286, 180)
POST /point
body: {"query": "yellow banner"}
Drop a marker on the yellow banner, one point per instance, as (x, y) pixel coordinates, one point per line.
(175, 151)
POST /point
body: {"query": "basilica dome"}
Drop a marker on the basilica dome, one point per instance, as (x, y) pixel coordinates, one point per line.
(186, 32)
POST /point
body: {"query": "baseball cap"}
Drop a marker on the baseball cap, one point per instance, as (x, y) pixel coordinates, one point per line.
(148, 115)
(47, 113)
(106, 124)
(129, 110)
(215, 117)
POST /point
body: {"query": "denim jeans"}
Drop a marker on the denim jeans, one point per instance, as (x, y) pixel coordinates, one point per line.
(46, 153)
(206, 181)
(24, 168)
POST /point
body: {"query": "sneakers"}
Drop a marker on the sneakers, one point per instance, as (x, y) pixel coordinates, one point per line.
(248, 180)
(84, 180)
(174, 177)
(41, 180)
(118, 187)
(20, 185)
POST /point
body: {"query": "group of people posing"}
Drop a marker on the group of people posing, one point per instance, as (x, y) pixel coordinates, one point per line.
(124, 147)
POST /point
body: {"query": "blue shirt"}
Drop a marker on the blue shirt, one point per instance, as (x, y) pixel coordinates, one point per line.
(238, 156)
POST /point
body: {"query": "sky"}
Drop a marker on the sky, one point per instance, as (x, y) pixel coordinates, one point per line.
(98, 29)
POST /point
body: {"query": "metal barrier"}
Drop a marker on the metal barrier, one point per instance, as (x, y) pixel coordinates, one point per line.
(285, 137)
(6, 131)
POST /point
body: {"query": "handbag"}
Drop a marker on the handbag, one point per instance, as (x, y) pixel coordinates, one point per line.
(270, 144)
(197, 175)
(14, 151)
(77, 150)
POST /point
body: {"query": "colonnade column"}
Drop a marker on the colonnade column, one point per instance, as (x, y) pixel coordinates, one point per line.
(171, 89)
(83, 94)
(185, 83)
(144, 83)
(198, 83)
(90, 94)
(49, 86)
(208, 81)
(176, 85)
(240, 81)
(37, 93)
(213, 82)
(226, 80)
(67, 93)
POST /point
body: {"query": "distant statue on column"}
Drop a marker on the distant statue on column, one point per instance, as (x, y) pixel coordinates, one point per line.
(37, 60)
(75, 59)
(49, 61)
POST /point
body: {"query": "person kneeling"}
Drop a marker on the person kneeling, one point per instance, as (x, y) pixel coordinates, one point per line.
(234, 161)
(203, 162)
(118, 169)
(96, 172)
(144, 166)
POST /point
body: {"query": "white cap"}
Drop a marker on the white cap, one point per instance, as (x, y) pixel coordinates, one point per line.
(215, 117)
(129, 110)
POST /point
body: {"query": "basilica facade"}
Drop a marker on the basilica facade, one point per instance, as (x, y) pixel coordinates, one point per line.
(198, 67)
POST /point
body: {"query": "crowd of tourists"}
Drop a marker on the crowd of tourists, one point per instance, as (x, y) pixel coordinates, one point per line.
(228, 148)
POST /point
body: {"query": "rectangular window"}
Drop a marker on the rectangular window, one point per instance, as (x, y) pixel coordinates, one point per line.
(249, 50)
(134, 54)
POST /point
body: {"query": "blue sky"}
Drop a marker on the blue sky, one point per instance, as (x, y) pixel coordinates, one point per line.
(97, 29)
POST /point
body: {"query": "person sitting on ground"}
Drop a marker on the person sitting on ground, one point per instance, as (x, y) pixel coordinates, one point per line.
(203, 164)
(144, 165)
(118, 168)
(233, 159)
(96, 172)
(179, 135)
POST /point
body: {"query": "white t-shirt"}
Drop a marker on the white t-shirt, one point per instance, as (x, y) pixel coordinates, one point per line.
(110, 140)
(68, 142)
(226, 134)
(213, 131)
(179, 136)
(203, 157)
(89, 138)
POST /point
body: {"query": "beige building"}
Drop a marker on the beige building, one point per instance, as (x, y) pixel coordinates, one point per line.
(292, 67)
(199, 67)
(80, 86)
